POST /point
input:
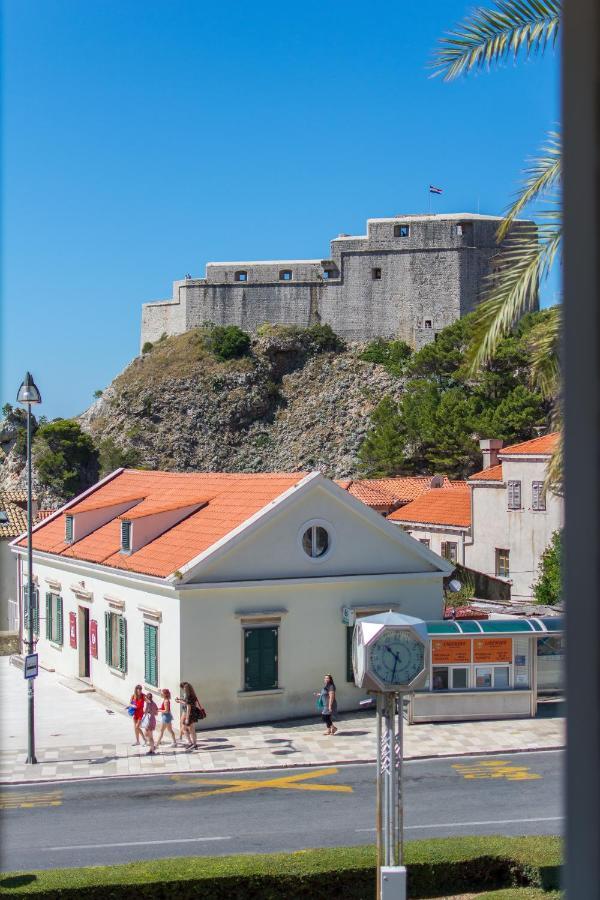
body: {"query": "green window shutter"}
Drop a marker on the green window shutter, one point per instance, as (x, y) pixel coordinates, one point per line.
(59, 620)
(35, 611)
(150, 654)
(107, 639)
(251, 658)
(268, 658)
(122, 644)
(49, 617)
(349, 669)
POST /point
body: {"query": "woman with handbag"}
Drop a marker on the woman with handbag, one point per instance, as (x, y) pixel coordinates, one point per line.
(327, 704)
(149, 722)
(193, 713)
(136, 711)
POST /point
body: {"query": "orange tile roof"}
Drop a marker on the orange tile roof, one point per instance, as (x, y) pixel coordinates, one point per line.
(89, 504)
(542, 446)
(439, 506)
(387, 492)
(493, 473)
(152, 507)
(234, 499)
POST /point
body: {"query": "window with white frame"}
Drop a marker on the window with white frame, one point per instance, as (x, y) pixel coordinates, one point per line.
(315, 541)
(54, 618)
(492, 677)
(115, 640)
(514, 494)
(450, 678)
(538, 496)
(450, 551)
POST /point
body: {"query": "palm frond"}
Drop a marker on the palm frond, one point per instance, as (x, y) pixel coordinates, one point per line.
(554, 472)
(490, 36)
(542, 177)
(524, 262)
(544, 343)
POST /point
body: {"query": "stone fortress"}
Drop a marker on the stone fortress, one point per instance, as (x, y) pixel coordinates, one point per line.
(408, 277)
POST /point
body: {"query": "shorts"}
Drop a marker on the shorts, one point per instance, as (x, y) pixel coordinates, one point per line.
(166, 718)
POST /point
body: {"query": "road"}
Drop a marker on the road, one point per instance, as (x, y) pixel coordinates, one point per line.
(125, 819)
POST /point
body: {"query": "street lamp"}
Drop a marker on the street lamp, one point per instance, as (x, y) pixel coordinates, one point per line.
(28, 394)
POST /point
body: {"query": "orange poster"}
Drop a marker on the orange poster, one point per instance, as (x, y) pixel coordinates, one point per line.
(492, 650)
(456, 650)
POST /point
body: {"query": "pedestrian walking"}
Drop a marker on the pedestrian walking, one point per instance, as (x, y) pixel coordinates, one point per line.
(327, 703)
(149, 722)
(136, 707)
(193, 713)
(166, 717)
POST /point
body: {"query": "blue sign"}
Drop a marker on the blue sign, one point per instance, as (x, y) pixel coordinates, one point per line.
(30, 669)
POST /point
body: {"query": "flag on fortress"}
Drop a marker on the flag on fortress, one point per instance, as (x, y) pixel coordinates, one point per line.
(434, 190)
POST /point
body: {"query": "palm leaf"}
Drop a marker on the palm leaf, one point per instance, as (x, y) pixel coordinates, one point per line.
(544, 343)
(491, 36)
(542, 177)
(525, 260)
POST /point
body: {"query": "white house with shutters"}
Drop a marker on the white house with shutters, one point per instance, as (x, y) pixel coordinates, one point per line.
(235, 582)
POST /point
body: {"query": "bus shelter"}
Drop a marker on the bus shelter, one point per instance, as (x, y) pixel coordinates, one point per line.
(489, 669)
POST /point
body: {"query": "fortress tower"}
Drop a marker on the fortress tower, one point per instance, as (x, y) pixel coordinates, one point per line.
(408, 277)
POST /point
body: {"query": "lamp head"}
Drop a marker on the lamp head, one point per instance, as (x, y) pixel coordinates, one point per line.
(28, 392)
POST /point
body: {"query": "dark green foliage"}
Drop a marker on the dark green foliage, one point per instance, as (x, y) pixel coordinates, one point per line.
(435, 868)
(98, 393)
(443, 413)
(548, 588)
(112, 457)
(324, 339)
(147, 347)
(392, 355)
(65, 457)
(16, 418)
(228, 342)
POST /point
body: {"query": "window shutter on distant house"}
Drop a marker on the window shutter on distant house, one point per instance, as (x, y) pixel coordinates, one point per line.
(48, 617)
(122, 644)
(107, 639)
(151, 654)
(59, 621)
(514, 495)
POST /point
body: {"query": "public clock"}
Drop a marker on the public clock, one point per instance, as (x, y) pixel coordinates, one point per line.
(397, 657)
(390, 652)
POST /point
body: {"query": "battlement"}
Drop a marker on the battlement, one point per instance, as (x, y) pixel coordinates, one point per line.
(407, 277)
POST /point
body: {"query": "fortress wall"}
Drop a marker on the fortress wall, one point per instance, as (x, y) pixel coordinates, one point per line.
(249, 305)
(163, 316)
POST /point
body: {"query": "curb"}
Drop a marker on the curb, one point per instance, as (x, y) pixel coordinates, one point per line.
(279, 766)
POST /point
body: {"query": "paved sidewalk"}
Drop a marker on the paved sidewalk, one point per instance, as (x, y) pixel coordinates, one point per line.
(86, 736)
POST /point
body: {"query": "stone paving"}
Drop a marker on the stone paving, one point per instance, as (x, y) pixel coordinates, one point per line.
(88, 736)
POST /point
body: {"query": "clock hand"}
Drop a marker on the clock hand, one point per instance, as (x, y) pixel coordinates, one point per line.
(394, 669)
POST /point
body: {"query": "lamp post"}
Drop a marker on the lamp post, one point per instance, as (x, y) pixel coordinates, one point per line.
(28, 394)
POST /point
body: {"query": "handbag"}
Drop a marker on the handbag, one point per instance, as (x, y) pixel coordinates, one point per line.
(320, 704)
(145, 723)
(131, 710)
(201, 711)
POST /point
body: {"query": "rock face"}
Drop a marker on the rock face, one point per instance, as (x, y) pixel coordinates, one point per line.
(289, 406)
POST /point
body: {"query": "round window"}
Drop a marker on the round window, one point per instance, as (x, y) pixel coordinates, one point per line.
(315, 541)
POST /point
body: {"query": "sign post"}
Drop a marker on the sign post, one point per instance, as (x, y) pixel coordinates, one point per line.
(30, 667)
(390, 654)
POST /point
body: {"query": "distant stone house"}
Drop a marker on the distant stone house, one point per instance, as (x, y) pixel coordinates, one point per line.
(234, 582)
(497, 523)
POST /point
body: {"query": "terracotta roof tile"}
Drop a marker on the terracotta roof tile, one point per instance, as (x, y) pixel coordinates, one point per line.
(89, 504)
(543, 446)
(388, 492)
(493, 473)
(234, 498)
(439, 506)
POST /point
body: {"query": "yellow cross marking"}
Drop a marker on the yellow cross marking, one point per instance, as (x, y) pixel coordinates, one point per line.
(281, 782)
(495, 768)
(30, 801)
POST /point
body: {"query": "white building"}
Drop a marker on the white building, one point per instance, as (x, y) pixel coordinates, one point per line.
(500, 521)
(233, 582)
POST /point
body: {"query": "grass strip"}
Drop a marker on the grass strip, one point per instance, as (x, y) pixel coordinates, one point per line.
(435, 867)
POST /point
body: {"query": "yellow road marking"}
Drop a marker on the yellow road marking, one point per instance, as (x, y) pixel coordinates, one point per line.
(495, 768)
(30, 800)
(241, 785)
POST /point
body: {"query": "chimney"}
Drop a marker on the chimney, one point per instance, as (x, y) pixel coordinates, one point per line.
(437, 481)
(489, 450)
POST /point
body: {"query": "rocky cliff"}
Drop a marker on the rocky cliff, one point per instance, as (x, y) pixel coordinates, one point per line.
(290, 404)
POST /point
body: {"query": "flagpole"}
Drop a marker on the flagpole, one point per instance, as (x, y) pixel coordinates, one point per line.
(429, 193)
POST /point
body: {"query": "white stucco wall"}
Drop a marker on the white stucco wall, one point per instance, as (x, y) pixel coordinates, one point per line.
(524, 532)
(8, 582)
(437, 537)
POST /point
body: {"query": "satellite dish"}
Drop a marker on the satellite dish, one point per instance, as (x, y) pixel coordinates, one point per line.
(454, 586)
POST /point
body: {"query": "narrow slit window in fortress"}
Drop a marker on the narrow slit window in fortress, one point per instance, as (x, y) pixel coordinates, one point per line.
(428, 323)
(285, 275)
(376, 274)
(241, 276)
(401, 230)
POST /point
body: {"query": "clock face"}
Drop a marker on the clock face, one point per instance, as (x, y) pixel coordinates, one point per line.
(397, 657)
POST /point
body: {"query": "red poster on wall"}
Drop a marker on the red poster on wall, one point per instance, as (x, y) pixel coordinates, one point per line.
(94, 638)
(73, 630)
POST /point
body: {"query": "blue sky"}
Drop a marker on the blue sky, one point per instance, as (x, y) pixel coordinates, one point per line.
(143, 139)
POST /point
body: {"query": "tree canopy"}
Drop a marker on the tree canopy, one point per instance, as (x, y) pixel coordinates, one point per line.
(65, 457)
